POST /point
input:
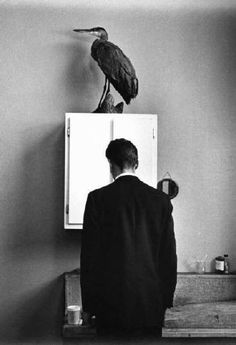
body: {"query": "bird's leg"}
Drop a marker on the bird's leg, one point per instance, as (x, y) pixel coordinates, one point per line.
(103, 93)
(108, 88)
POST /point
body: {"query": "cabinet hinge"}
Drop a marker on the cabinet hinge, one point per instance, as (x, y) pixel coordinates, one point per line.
(68, 131)
(153, 133)
(67, 209)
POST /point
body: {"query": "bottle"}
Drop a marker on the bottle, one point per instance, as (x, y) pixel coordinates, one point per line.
(226, 266)
(220, 264)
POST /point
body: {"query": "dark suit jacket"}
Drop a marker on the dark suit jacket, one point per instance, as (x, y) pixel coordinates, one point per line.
(128, 255)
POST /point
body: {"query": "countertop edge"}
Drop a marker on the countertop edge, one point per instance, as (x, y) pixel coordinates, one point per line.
(199, 332)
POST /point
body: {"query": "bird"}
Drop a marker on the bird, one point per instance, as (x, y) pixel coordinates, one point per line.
(107, 105)
(116, 66)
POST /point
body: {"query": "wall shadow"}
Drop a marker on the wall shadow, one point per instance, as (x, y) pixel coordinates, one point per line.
(39, 250)
(35, 315)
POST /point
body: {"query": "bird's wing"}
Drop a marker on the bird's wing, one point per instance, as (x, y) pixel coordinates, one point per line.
(117, 67)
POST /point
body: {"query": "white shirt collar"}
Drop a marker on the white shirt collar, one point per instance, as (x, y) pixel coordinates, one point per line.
(125, 174)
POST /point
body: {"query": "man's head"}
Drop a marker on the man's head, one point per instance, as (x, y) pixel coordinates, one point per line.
(122, 156)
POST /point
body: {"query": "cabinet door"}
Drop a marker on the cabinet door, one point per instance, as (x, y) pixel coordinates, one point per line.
(86, 167)
(141, 130)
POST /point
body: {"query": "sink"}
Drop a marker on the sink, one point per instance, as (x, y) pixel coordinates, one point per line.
(204, 306)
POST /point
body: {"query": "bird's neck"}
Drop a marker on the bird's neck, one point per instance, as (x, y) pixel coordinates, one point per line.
(103, 35)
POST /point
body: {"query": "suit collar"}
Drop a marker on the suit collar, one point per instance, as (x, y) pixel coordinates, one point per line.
(126, 177)
(125, 174)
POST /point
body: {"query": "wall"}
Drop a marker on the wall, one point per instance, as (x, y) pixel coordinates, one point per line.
(184, 54)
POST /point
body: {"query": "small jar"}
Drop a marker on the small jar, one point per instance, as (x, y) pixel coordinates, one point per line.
(219, 264)
(226, 257)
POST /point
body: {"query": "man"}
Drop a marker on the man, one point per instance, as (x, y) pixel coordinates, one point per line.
(128, 254)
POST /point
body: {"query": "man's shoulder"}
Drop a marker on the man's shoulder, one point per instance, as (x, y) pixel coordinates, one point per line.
(101, 189)
(153, 190)
(139, 186)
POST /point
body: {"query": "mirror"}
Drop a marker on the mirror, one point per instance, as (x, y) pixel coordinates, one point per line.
(168, 186)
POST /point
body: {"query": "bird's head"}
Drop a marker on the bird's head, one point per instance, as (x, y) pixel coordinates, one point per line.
(98, 32)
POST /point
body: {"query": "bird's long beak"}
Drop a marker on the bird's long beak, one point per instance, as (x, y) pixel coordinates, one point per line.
(84, 31)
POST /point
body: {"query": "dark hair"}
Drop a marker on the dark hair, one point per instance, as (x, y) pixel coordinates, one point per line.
(123, 153)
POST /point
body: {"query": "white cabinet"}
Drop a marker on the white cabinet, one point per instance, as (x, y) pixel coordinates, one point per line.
(86, 168)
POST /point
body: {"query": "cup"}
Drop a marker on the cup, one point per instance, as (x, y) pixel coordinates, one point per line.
(74, 315)
(200, 266)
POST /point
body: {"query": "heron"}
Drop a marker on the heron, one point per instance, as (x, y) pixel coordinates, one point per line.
(116, 66)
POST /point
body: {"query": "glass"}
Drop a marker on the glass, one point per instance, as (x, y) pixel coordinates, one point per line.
(200, 266)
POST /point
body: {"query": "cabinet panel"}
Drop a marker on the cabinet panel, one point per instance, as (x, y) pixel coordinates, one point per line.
(141, 131)
(86, 168)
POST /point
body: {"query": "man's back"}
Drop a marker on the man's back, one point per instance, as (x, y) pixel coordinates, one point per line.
(128, 259)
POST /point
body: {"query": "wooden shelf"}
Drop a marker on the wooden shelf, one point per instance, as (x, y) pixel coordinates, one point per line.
(76, 331)
(198, 333)
(73, 331)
